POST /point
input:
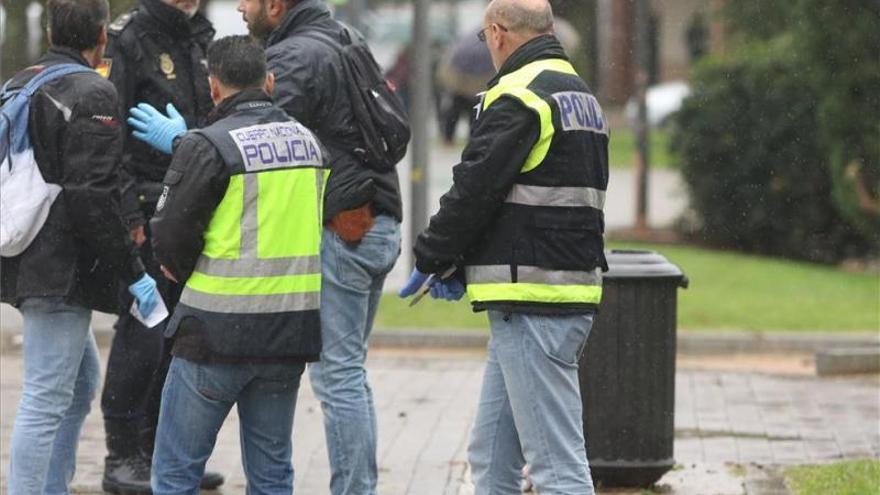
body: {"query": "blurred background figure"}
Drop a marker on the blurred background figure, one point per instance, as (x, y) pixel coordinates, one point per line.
(461, 76)
(464, 70)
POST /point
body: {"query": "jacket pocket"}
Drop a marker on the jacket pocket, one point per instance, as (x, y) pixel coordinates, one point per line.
(565, 240)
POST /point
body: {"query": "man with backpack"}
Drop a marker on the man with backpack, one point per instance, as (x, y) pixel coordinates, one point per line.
(62, 115)
(362, 216)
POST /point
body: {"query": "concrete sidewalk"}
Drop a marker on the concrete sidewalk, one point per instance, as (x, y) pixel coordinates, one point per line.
(737, 420)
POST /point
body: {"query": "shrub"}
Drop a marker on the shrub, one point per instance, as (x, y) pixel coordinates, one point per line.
(838, 45)
(754, 160)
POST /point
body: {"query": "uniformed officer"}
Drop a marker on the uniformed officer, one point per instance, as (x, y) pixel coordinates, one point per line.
(524, 220)
(156, 55)
(239, 224)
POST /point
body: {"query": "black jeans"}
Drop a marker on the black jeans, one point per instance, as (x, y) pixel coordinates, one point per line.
(139, 358)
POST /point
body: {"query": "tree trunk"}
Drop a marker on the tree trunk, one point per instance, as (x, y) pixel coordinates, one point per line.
(582, 15)
(14, 35)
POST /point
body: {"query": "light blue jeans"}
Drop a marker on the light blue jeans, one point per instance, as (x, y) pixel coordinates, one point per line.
(61, 377)
(196, 400)
(352, 285)
(530, 407)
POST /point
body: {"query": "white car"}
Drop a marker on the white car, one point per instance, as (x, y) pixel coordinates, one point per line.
(662, 100)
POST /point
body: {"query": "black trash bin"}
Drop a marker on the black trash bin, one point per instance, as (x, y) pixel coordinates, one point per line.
(627, 374)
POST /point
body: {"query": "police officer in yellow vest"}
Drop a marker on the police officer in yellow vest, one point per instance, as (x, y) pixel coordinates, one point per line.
(524, 223)
(239, 225)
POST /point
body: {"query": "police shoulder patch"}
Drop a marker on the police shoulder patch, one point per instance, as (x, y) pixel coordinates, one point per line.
(104, 67)
(121, 22)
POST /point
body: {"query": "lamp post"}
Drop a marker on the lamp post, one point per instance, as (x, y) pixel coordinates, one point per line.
(643, 161)
(420, 114)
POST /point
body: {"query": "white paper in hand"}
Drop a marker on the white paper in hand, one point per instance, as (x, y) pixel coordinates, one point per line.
(159, 313)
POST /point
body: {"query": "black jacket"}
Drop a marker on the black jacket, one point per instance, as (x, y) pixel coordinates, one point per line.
(83, 249)
(189, 200)
(478, 226)
(156, 55)
(309, 86)
(195, 185)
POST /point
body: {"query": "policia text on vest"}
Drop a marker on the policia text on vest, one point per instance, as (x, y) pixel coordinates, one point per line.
(267, 146)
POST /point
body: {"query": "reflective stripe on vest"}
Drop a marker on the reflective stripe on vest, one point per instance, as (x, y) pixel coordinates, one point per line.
(522, 194)
(261, 255)
(516, 84)
(532, 274)
(487, 283)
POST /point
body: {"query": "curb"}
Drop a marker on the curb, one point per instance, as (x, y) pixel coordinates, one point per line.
(689, 342)
(846, 360)
(731, 342)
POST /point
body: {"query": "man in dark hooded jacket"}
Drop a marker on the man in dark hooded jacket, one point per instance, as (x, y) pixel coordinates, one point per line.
(362, 214)
(156, 55)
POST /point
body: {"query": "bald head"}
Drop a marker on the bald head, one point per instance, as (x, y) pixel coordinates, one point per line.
(529, 17)
(509, 24)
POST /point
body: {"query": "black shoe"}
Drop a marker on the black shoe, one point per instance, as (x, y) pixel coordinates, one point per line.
(211, 480)
(130, 476)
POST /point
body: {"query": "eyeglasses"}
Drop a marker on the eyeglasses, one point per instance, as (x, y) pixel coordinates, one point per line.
(481, 35)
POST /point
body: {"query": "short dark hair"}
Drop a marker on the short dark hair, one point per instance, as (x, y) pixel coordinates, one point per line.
(238, 62)
(77, 23)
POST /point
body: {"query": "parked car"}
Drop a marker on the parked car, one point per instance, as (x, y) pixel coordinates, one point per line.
(663, 100)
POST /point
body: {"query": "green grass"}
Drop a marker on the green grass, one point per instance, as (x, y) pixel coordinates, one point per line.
(727, 291)
(622, 149)
(428, 314)
(844, 478)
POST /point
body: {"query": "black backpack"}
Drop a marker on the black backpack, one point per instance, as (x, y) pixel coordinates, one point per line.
(379, 112)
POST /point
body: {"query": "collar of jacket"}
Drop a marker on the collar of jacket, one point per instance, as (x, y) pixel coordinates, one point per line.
(305, 12)
(230, 105)
(540, 48)
(62, 55)
(54, 55)
(172, 22)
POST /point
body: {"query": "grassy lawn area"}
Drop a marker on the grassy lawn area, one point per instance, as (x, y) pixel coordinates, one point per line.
(622, 149)
(844, 478)
(727, 291)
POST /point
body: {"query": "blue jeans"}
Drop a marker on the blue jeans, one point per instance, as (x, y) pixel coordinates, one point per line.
(61, 377)
(530, 407)
(196, 400)
(352, 285)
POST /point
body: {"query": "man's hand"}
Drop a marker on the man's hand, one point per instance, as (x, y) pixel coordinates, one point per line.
(416, 279)
(144, 290)
(155, 129)
(168, 274)
(138, 235)
(449, 289)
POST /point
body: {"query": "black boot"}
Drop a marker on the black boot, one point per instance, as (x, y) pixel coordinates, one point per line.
(126, 469)
(211, 480)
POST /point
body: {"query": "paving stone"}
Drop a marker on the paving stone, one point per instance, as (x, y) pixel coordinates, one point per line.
(754, 450)
(720, 449)
(425, 402)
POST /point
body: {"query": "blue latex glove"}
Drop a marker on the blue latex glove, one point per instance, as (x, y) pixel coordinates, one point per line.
(416, 279)
(144, 290)
(155, 129)
(450, 289)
